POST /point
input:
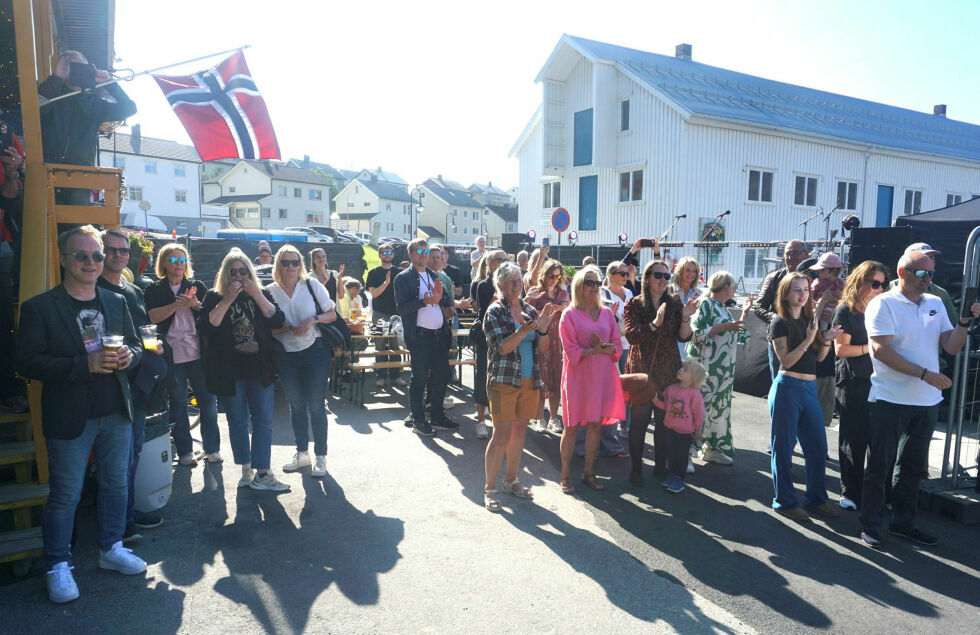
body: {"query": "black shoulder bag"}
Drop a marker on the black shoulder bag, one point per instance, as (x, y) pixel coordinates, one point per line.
(336, 334)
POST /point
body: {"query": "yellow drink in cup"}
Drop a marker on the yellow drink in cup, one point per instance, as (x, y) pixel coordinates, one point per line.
(111, 344)
(149, 334)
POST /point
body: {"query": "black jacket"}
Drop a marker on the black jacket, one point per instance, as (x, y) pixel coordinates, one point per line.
(408, 302)
(764, 308)
(159, 294)
(50, 348)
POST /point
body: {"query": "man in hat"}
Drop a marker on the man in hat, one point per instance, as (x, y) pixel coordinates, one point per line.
(934, 289)
(827, 286)
(265, 254)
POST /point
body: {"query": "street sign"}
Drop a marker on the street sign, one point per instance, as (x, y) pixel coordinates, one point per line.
(560, 219)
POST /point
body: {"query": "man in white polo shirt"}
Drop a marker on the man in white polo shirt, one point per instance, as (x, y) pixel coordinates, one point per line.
(906, 326)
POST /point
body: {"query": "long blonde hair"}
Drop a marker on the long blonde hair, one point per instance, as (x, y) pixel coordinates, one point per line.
(285, 249)
(313, 254)
(863, 273)
(165, 252)
(578, 300)
(223, 279)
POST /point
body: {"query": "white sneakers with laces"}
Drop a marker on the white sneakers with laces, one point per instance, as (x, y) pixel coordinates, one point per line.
(268, 483)
(61, 584)
(482, 430)
(319, 466)
(537, 425)
(121, 559)
(247, 475)
(300, 460)
(554, 426)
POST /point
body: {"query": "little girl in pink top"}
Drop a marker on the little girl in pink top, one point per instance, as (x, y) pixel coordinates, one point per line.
(684, 407)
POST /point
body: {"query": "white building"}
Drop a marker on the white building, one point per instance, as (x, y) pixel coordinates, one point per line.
(366, 204)
(453, 213)
(270, 195)
(165, 174)
(626, 140)
(499, 220)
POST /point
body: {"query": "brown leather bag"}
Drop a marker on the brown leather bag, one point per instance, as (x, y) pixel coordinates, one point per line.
(638, 388)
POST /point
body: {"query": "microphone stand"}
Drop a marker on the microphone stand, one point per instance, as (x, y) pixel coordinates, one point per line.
(706, 237)
(828, 246)
(819, 213)
(672, 226)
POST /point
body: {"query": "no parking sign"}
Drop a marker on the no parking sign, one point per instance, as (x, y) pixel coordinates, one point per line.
(560, 219)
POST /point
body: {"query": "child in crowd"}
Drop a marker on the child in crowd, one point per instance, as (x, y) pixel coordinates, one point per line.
(684, 408)
(828, 280)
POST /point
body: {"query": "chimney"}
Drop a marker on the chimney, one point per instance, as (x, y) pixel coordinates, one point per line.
(683, 52)
(306, 161)
(939, 110)
(379, 171)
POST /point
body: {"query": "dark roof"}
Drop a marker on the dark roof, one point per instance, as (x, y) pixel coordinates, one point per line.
(389, 177)
(506, 212)
(313, 165)
(386, 191)
(431, 232)
(348, 174)
(236, 198)
(356, 215)
(453, 197)
(489, 188)
(283, 172)
(149, 147)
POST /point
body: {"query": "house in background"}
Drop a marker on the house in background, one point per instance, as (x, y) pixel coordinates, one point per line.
(452, 211)
(490, 194)
(367, 202)
(499, 220)
(626, 140)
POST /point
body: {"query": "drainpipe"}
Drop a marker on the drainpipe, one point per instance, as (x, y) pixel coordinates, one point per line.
(867, 156)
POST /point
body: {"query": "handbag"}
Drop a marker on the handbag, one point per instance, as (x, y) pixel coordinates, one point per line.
(638, 388)
(336, 334)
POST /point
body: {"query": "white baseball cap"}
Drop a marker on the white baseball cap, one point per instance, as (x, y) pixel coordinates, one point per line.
(922, 247)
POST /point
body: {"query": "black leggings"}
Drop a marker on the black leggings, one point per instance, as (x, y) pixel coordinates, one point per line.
(854, 434)
(640, 417)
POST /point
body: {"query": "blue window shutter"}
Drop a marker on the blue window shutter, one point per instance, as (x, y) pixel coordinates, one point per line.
(582, 148)
(588, 196)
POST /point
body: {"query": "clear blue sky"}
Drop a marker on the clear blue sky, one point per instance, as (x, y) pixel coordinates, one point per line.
(425, 88)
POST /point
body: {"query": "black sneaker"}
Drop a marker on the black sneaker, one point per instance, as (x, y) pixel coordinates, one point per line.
(913, 534)
(871, 538)
(445, 424)
(131, 535)
(147, 521)
(423, 430)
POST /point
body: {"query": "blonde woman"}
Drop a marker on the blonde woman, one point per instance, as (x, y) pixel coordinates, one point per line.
(305, 366)
(548, 291)
(482, 292)
(684, 284)
(615, 295)
(173, 304)
(319, 269)
(237, 317)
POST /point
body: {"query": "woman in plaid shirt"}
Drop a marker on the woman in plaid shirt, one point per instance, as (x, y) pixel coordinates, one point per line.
(513, 378)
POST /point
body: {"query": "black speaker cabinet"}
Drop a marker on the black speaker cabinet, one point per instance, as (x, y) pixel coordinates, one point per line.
(884, 244)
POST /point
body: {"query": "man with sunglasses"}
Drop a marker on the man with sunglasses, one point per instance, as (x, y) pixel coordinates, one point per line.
(794, 253)
(86, 404)
(426, 309)
(906, 326)
(934, 289)
(379, 284)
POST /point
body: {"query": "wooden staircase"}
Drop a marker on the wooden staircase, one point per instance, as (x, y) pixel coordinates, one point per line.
(21, 496)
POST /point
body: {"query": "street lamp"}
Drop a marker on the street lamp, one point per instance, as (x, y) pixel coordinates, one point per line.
(415, 209)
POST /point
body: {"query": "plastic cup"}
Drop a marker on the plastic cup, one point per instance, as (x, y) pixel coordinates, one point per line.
(149, 335)
(111, 344)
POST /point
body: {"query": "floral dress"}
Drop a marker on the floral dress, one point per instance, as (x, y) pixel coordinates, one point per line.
(717, 354)
(551, 360)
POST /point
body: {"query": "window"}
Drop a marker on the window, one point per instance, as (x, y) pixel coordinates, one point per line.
(552, 194)
(806, 191)
(180, 196)
(282, 212)
(134, 193)
(367, 203)
(405, 209)
(953, 199)
(239, 213)
(582, 139)
(179, 171)
(631, 186)
(624, 115)
(231, 189)
(760, 186)
(282, 190)
(150, 167)
(455, 212)
(253, 212)
(266, 212)
(754, 265)
(847, 194)
(118, 162)
(297, 192)
(455, 229)
(314, 217)
(913, 201)
(387, 207)
(316, 195)
(350, 203)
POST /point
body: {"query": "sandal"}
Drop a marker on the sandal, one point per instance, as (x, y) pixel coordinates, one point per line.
(515, 488)
(593, 482)
(566, 486)
(490, 500)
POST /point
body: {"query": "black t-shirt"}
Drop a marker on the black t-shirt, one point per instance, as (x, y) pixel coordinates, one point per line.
(852, 323)
(807, 364)
(106, 396)
(384, 303)
(243, 314)
(134, 300)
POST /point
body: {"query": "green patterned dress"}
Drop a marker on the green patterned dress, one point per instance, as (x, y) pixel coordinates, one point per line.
(717, 354)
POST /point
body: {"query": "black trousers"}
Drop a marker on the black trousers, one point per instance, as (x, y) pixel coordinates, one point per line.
(678, 451)
(640, 417)
(430, 359)
(854, 434)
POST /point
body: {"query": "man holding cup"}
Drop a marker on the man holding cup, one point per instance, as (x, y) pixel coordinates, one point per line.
(115, 244)
(86, 404)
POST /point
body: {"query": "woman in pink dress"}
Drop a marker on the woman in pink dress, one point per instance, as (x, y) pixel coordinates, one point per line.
(591, 394)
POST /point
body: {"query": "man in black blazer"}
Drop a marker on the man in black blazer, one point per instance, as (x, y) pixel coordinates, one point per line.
(426, 313)
(86, 403)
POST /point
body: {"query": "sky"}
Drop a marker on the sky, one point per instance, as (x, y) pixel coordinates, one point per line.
(425, 88)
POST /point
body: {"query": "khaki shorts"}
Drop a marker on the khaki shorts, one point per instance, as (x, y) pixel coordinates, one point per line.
(508, 403)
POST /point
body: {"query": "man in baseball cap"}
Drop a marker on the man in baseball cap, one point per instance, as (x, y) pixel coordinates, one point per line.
(934, 289)
(923, 248)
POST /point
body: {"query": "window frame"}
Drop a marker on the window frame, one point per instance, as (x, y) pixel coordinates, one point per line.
(630, 187)
(762, 177)
(180, 196)
(807, 178)
(759, 264)
(180, 170)
(952, 196)
(283, 212)
(134, 188)
(909, 206)
(625, 110)
(149, 167)
(552, 194)
(850, 184)
(297, 192)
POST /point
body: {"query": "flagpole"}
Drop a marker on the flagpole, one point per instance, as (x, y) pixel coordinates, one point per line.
(115, 80)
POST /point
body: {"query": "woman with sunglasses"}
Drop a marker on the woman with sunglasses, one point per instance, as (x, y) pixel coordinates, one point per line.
(173, 303)
(305, 367)
(482, 292)
(793, 406)
(854, 376)
(237, 317)
(548, 291)
(655, 322)
(591, 394)
(327, 277)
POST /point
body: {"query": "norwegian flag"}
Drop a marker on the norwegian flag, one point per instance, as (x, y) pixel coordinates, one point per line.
(222, 111)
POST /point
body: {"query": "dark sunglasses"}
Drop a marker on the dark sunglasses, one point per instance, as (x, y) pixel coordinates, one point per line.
(289, 263)
(592, 283)
(422, 252)
(81, 256)
(499, 260)
(121, 251)
(877, 284)
(239, 271)
(181, 259)
(622, 273)
(553, 276)
(922, 273)
(660, 275)
(386, 253)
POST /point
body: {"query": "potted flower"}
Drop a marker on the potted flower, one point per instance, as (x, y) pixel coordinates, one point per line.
(140, 251)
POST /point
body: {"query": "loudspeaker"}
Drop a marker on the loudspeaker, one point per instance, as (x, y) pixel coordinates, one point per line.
(884, 244)
(513, 242)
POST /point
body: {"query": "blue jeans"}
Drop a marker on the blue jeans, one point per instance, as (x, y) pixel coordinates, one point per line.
(795, 413)
(139, 428)
(251, 397)
(303, 376)
(193, 372)
(111, 439)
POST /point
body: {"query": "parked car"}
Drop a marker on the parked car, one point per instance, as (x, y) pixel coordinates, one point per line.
(337, 235)
(393, 240)
(364, 237)
(349, 237)
(313, 236)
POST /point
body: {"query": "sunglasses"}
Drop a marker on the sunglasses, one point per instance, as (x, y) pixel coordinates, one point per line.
(81, 256)
(120, 251)
(289, 263)
(877, 284)
(621, 273)
(238, 271)
(181, 259)
(422, 252)
(553, 276)
(922, 273)
(592, 283)
(386, 253)
(660, 275)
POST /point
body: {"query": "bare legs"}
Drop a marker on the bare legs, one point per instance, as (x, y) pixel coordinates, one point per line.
(567, 448)
(507, 442)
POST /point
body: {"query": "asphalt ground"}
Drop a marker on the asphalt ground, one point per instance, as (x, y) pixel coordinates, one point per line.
(396, 539)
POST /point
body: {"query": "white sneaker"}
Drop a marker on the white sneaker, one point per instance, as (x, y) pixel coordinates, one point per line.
(537, 425)
(121, 559)
(482, 431)
(320, 467)
(847, 503)
(448, 403)
(555, 427)
(187, 460)
(401, 383)
(61, 584)
(214, 457)
(247, 475)
(300, 460)
(714, 456)
(268, 483)
(690, 466)
(380, 383)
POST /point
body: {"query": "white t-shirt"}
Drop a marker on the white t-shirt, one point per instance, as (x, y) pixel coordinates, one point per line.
(429, 316)
(612, 297)
(298, 308)
(915, 329)
(475, 256)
